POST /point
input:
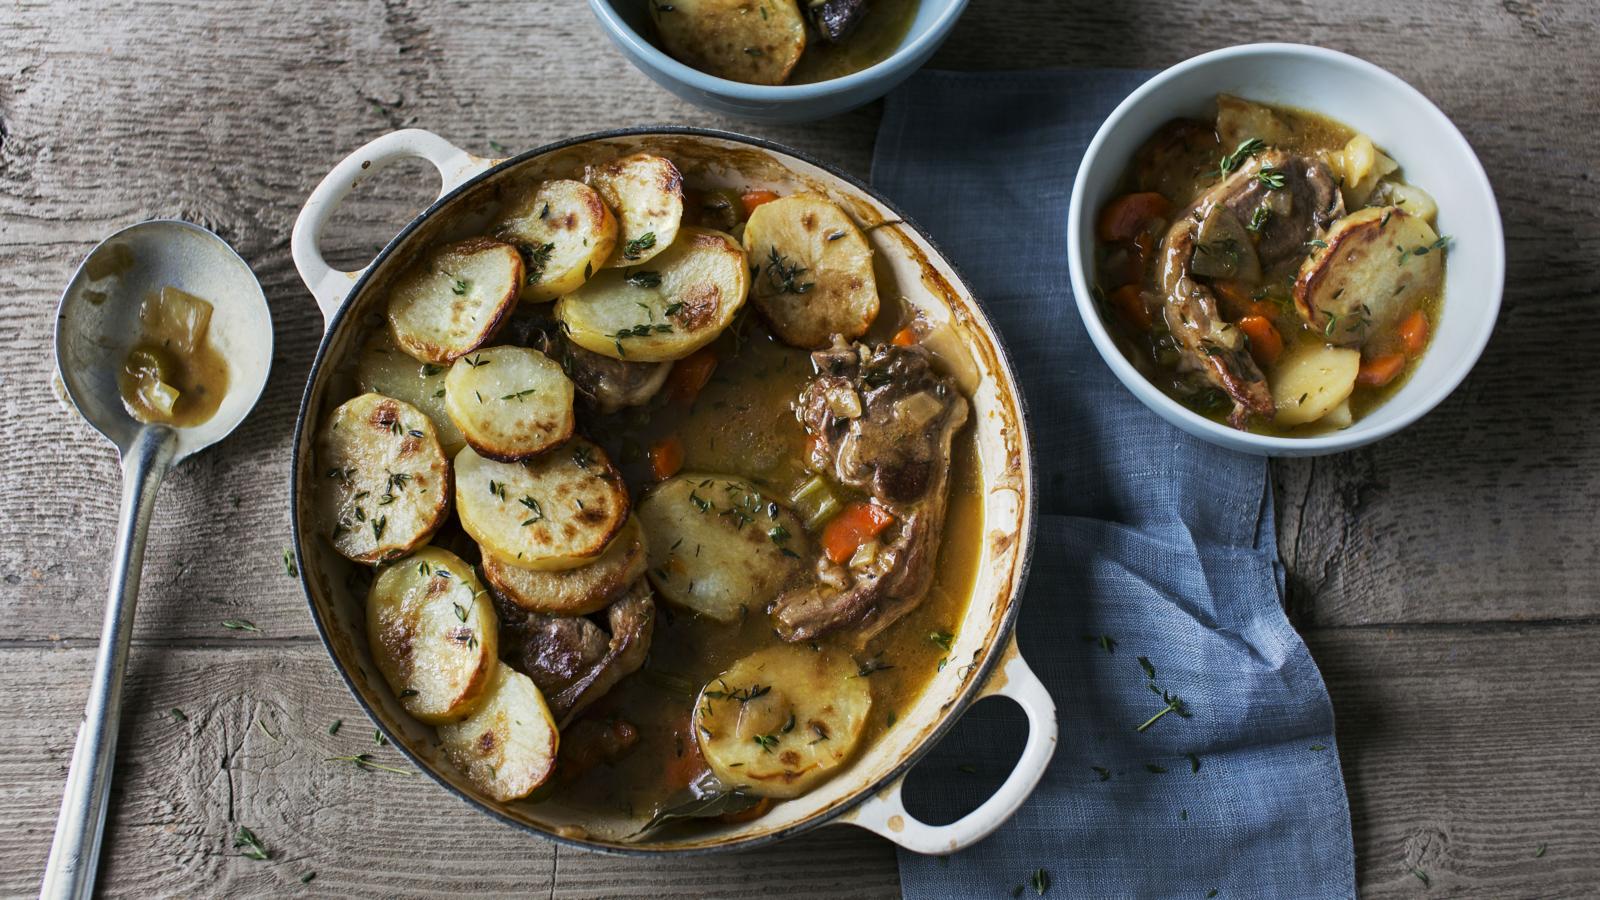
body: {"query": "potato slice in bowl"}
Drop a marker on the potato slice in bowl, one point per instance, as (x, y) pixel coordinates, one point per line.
(665, 310)
(507, 748)
(782, 719)
(385, 369)
(573, 592)
(814, 270)
(727, 39)
(556, 511)
(387, 480)
(1312, 381)
(718, 546)
(646, 192)
(564, 232)
(1378, 265)
(510, 402)
(433, 634)
(453, 302)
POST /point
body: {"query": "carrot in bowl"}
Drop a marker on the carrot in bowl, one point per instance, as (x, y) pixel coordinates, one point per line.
(1380, 370)
(753, 199)
(1123, 218)
(1414, 332)
(1266, 344)
(859, 523)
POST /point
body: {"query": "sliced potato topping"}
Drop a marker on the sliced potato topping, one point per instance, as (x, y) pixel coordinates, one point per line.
(384, 368)
(454, 301)
(507, 748)
(814, 270)
(753, 41)
(1311, 381)
(433, 634)
(782, 719)
(1240, 120)
(665, 310)
(510, 402)
(1379, 264)
(573, 592)
(387, 484)
(1360, 165)
(564, 231)
(646, 193)
(556, 511)
(718, 546)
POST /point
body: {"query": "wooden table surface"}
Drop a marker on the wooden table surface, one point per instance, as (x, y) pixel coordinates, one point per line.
(1445, 579)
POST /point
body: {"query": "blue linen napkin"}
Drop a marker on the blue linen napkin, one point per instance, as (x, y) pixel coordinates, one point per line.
(1150, 544)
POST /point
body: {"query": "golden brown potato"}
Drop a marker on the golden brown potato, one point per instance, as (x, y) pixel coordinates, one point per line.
(453, 302)
(508, 746)
(573, 592)
(753, 41)
(646, 193)
(564, 231)
(814, 270)
(386, 369)
(433, 634)
(559, 510)
(387, 482)
(510, 402)
(1380, 262)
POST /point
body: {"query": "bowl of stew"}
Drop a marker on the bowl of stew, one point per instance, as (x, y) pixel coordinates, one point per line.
(778, 60)
(663, 491)
(1285, 250)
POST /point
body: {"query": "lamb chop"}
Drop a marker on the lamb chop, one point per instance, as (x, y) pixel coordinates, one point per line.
(882, 422)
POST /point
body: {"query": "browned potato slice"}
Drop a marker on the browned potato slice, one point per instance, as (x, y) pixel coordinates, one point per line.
(385, 369)
(782, 719)
(1379, 263)
(664, 310)
(814, 270)
(387, 484)
(510, 402)
(433, 633)
(507, 748)
(573, 592)
(557, 511)
(454, 301)
(646, 192)
(1239, 120)
(564, 231)
(753, 41)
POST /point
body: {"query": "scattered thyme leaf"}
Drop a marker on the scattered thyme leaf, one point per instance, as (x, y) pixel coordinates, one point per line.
(239, 625)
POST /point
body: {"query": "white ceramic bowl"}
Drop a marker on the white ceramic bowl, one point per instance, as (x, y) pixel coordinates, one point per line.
(1402, 122)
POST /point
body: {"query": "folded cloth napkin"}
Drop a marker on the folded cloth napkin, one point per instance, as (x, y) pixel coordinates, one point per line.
(1155, 564)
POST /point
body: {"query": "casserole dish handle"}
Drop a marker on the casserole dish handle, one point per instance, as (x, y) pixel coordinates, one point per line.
(886, 814)
(329, 285)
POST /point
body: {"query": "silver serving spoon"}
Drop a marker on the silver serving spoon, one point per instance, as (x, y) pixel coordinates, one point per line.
(96, 325)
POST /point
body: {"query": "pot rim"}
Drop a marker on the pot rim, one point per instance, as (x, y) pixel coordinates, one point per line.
(953, 710)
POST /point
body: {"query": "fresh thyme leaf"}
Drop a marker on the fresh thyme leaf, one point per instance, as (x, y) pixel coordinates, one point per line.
(1194, 762)
(1041, 881)
(1154, 769)
(497, 147)
(1175, 704)
(1539, 852)
(334, 728)
(1422, 877)
(289, 567)
(782, 274)
(1258, 219)
(476, 361)
(1149, 670)
(1317, 244)
(460, 286)
(1104, 773)
(519, 394)
(306, 878)
(871, 666)
(178, 715)
(1319, 747)
(742, 695)
(1270, 178)
(268, 732)
(634, 248)
(1246, 149)
(252, 846)
(535, 511)
(941, 639)
(644, 279)
(767, 741)
(239, 625)
(378, 738)
(364, 761)
(1211, 893)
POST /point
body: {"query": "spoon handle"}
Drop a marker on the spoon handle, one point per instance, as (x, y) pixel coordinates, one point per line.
(75, 852)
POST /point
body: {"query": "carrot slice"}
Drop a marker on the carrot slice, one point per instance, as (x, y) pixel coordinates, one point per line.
(684, 768)
(753, 199)
(1414, 332)
(1130, 305)
(905, 337)
(666, 457)
(859, 523)
(1266, 344)
(1380, 370)
(754, 812)
(1123, 218)
(689, 375)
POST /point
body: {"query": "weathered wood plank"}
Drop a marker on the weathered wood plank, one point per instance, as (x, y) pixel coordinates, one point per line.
(1465, 751)
(253, 751)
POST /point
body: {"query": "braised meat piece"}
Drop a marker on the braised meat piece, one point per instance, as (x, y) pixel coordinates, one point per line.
(572, 659)
(835, 19)
(605, 384)
(882, 422)
(1300, 201)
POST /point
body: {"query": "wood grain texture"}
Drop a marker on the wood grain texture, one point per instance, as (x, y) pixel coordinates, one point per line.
(1464, 745)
